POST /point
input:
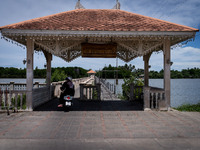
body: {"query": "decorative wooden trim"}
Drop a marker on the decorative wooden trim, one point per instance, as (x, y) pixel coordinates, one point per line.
(18, 32)
(67, 44)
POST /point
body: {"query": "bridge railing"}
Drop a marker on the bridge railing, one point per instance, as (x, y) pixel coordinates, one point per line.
(90, 92)
(12, 99)
(19, 86)
(42, 95)
(109, 86)
(154, 98)
(13, 95)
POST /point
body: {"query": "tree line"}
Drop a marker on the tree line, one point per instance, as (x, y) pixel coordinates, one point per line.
(127, 70)
(58, 74)
(109, 71)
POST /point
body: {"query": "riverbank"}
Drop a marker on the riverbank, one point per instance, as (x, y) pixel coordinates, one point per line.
(189, 108)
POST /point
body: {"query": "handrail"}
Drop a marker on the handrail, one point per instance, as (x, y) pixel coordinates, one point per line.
(19, 86)
(154, 97)
(111, 88)
(12, 99)
(90, 92)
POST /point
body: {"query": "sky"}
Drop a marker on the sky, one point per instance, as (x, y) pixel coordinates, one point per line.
(185, 12)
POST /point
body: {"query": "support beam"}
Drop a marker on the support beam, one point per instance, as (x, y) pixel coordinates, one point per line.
(48, 76)
(48, 59)
(29, 73)
(146, 69)
(146, 91)
(167, 76)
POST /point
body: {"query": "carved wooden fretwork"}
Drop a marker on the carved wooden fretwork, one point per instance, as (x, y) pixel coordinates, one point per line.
(124, 54)
(69, 49)
(67, 44)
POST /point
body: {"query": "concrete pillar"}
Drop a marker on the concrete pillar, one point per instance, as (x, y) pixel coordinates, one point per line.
(167, 65)
(98, 91)
(48, 59)
(48, 76)
(81, 91)
(146, 69)
(29, 73)
(146, 91)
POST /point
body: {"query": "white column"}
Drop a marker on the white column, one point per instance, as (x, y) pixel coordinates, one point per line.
(29, 73)
(48, 76)
(146, 69)
(146, 88)
(48, 59)
(167, 77)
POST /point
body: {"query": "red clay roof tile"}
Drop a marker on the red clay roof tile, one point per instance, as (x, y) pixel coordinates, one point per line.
(91, 71)
(98, 20)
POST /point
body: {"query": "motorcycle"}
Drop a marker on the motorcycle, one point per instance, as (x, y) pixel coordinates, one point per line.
(67, 102)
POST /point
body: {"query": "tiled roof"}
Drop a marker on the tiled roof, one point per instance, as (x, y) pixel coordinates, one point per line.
(98, 20)
(91, 71)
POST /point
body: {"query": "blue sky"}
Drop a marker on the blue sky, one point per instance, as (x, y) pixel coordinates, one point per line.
(185, 12)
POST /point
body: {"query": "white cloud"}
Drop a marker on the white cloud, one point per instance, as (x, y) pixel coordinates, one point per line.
(182, 58)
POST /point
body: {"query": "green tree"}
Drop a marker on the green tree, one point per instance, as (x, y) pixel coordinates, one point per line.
(58, 75)
(127, 83)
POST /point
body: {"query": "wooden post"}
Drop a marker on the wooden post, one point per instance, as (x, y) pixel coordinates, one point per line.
(146, 69)
(48, 77)
(48, 59)
(29, 73)
(99, 91)
(146, 91)
(81, 91)
(167, 65)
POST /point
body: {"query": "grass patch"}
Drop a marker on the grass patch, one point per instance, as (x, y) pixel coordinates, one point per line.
(188, 107)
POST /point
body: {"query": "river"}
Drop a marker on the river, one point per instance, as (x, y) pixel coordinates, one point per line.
(183, 91)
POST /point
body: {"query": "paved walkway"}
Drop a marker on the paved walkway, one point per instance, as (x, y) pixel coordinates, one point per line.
(106, 94)
(99, 125)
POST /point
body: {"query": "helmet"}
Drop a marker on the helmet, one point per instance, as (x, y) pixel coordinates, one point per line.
(68, 78)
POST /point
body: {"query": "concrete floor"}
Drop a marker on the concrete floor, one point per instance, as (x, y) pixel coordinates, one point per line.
(99, 125)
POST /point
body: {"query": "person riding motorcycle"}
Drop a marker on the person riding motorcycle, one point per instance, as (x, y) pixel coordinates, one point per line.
(67, 89)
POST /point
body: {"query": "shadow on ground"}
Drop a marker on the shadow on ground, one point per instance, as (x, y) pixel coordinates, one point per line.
(79, 105)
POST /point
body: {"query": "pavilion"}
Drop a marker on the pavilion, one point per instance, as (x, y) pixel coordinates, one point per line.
(91, 72)
(98, 33)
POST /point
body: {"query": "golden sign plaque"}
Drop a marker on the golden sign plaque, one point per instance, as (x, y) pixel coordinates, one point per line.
(99, 50)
